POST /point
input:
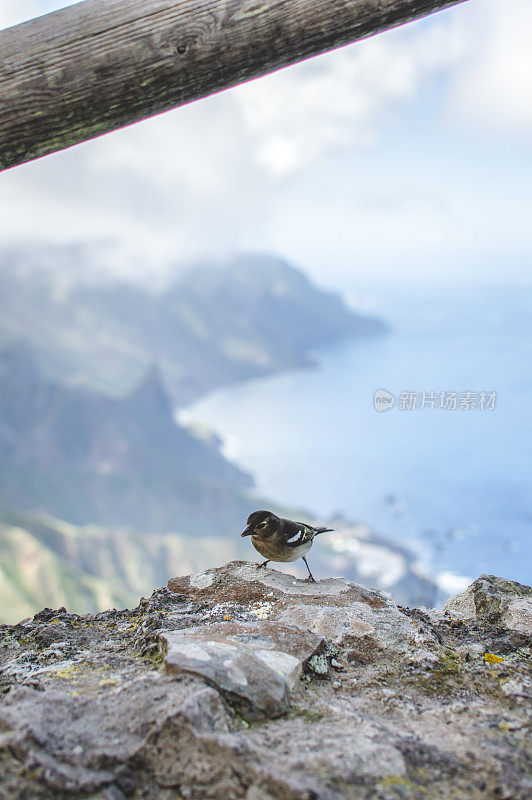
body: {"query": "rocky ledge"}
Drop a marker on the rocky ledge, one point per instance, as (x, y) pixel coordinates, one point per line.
(246, 683)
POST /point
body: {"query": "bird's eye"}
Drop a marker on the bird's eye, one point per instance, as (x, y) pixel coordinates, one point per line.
(263, 524)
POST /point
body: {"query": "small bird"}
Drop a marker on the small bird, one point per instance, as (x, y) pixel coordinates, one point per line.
(281, 539)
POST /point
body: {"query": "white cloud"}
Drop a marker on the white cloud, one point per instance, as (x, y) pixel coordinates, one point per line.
(179, 185)
(493, 87)
(202, 178)
(12, 12)
(211, 177)
(343, 98)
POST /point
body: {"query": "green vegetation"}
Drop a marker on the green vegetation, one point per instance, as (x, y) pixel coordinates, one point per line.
(48, 563)
(308, 714)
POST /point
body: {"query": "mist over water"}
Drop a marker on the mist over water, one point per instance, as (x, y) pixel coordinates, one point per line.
(453, 485)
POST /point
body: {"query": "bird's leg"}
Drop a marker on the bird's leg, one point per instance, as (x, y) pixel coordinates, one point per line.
(259, 566)
(310, 578)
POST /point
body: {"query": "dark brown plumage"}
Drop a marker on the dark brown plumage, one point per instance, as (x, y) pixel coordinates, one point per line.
(280, 539)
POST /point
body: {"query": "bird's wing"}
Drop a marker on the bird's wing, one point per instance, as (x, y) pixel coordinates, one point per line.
(315, 530)
(301, 536)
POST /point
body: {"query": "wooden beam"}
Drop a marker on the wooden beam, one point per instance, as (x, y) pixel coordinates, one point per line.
(99, 65)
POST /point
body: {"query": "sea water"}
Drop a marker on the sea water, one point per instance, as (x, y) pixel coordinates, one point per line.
(452, 484)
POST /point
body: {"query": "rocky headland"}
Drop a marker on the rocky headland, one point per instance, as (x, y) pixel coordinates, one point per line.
(246, 683)
(103, 494)
(210, 325)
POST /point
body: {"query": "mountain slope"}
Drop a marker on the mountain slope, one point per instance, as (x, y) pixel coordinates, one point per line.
(87, 458)
(213, 325)
(47, 562)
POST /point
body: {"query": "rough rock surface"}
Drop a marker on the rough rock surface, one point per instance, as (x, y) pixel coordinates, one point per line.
(496, 600)
(245, 683)
(253, 664)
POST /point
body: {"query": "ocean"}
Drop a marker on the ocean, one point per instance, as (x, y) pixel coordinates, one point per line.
(453, 484)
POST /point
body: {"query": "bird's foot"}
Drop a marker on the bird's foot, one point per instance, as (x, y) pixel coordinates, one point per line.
(260, 566)
(310, 579)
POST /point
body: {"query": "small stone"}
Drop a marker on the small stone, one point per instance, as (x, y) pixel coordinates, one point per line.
(423, 657)
(515, 688)
(202, 580)
(472, 650)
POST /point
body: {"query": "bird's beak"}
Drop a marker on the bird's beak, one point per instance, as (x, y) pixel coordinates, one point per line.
(247, 531)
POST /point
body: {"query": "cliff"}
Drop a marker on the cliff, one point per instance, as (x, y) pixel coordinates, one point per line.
(87, 458)
(239, 683)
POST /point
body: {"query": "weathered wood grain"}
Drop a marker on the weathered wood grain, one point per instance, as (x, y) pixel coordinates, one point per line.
(97, 66)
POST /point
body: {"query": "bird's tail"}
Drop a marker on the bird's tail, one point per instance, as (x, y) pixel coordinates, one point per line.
(323, 530)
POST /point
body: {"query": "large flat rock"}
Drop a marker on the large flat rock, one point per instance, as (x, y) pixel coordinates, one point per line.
(254, 665)
(334, 608)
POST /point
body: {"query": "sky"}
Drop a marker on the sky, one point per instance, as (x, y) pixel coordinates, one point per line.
(403, 158)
